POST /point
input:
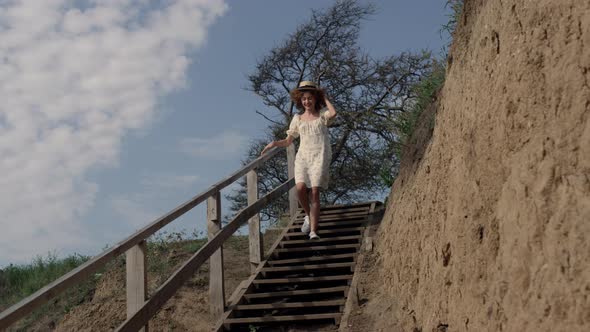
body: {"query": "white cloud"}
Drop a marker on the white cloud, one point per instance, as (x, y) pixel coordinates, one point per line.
(72, 82)
(225, 145)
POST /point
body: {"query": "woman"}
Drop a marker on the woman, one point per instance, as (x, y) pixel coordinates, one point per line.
(313, 158)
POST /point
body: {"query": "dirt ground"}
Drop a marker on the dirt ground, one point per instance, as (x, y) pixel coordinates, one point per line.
(487, 227)
(187, 310)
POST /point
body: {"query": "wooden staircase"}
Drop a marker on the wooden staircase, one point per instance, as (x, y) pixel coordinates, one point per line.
(300, 282)
(303, 283)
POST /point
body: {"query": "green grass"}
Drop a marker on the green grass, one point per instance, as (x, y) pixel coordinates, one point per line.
(427, 88)
(456, 10)
(164, 252)
(19, 281)
(425, 92)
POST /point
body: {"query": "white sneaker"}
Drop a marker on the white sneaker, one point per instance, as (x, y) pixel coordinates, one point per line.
(313, 236)
(306, 227)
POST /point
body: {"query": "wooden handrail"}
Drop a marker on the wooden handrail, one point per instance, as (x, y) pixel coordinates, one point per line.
(167, 290)
(45, 294)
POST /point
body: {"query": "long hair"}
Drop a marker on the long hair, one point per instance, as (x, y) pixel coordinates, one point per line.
(318, 95)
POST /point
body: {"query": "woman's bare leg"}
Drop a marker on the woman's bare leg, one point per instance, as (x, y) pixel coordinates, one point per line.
(303, 199)
(315, 208)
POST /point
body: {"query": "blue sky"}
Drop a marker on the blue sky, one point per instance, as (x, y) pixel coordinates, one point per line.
(114, 120)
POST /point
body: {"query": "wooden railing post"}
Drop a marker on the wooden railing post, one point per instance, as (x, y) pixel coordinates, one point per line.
(216, 279)
(136, 279)
(291, 172)
(254, 222)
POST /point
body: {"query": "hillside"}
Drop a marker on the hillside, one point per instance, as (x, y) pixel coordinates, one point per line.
(487, 227)
(102, 306)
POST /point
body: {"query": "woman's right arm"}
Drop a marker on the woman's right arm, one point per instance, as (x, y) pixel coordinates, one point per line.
(281, 144)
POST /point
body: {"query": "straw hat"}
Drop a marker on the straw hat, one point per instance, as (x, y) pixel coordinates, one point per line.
(307, 85)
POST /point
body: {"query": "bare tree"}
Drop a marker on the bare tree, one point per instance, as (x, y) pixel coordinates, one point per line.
(368, 93)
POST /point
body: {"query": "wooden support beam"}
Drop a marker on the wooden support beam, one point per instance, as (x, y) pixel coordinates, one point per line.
(136, 279)
(254, 223)
(293, 202)
(216, 278)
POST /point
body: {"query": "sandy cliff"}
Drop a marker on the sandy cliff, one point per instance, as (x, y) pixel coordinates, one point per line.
(487, 227)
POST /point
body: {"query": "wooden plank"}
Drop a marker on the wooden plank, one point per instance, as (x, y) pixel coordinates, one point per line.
(167, 290)
(335, 223)
(339, 206)
(297, 292)
(308, 267)
(293, 318)
(255, 240)
(323, 220)
(342, 216)
(293, 201)
(312, 304)
(136, 285)
(77, 275)
(311, 259)
(301, 280)
(323, 240)
(314, 248)
(326, 231)
(244, 288)
(216, 277)
(342, 211)
(328, 211)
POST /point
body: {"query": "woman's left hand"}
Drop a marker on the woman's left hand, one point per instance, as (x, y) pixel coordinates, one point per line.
(267, 147)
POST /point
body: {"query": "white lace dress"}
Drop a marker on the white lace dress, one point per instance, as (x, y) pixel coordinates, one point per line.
(313, 158)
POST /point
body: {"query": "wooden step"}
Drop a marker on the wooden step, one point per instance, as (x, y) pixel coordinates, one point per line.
(338, 207)
(314, 248)
(294, 318)
(311, 259)
(313, 304)
(338, 289)
(339, 210)
(335, 223)
(327, 231)
(300, 280)
(323, 220)
(342, 206)
(335, 217)
(307, 267)
(322, 240)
